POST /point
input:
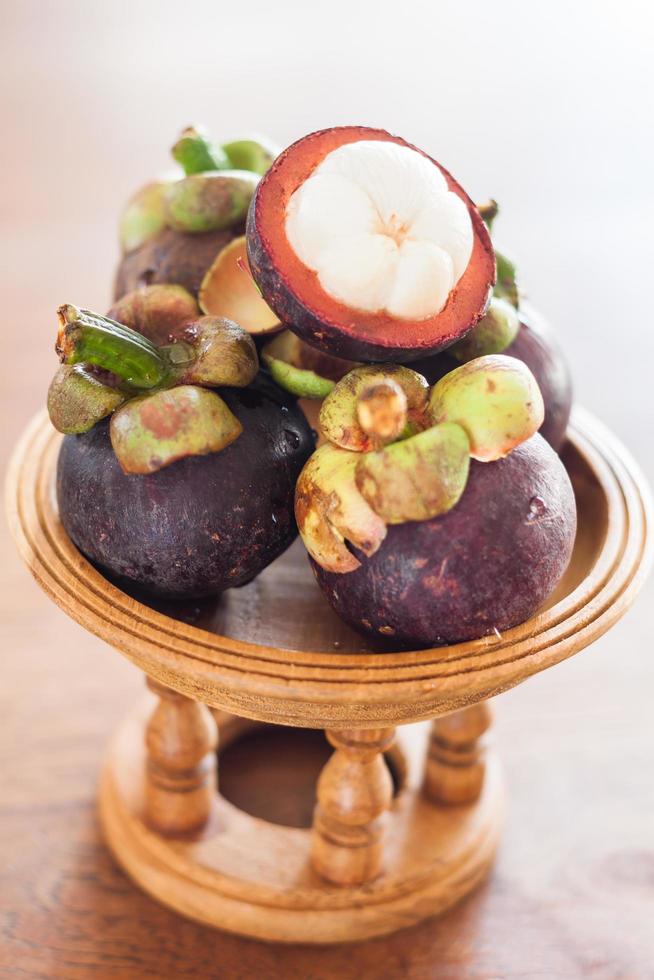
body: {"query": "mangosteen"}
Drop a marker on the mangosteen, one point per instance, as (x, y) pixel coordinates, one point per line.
(486, 565)
(367, 248)
(202, 524)
(167, 479)
(460, 525)
(174, 230)
(533, 344)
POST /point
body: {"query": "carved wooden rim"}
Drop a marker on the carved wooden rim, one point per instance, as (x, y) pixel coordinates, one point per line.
(309, 688)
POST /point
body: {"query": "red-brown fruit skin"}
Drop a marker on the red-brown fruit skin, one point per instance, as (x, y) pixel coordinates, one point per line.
(172, 257)
(294, 293)
(534, 346)
(487, 564)
(201, 525)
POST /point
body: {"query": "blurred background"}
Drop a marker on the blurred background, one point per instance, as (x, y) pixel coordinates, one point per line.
(547, 108)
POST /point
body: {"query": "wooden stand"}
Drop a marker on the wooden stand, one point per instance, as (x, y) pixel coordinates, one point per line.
(405, 824)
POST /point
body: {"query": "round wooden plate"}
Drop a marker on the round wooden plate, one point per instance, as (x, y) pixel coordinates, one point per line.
(274, 650)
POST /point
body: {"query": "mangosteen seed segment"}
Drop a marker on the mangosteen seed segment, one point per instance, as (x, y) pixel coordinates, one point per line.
(339, 414)
(487, 564)
(418, 478)
(155, 430)
(330, 510)
(201, 525)
(77, 399)
(196, 154)
(367, 248)
(495, 399)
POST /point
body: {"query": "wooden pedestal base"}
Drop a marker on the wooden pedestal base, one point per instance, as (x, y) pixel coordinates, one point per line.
(252, 877)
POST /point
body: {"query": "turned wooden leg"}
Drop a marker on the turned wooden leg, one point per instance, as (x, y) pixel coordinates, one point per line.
(355, 790)
(181, 739)
(454, 773)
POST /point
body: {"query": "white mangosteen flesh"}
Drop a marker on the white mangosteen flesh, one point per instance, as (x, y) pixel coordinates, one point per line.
(377, 224)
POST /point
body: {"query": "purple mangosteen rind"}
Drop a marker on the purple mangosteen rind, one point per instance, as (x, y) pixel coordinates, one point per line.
(202, 524)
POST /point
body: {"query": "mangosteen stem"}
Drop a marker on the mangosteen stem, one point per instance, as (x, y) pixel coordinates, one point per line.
(88, 338)
(382, 411)
(489, 210)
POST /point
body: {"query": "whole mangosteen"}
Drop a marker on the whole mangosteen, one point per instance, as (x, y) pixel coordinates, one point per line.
(461, 526)
(167, 479)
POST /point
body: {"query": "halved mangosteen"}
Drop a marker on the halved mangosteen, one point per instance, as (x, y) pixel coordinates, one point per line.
(368, 248)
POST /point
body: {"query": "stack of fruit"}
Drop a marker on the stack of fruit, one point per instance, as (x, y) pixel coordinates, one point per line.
(433, 510)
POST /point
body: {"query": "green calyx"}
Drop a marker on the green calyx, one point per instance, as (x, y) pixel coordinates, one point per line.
(330, 510)
(418, 478)
(222, 354)
(147, 384)
(88, 338)
(210, 201)
(496, 331)
(144, 215)
(495, 399)
(196, 203)
(304, 384)
(158, 312)
(211, 351)
(284, 358)
(398, 452)
(196, 154)
(152, 431)
(340, 419)
(250, 154)
(77, 400)
(506, 286)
